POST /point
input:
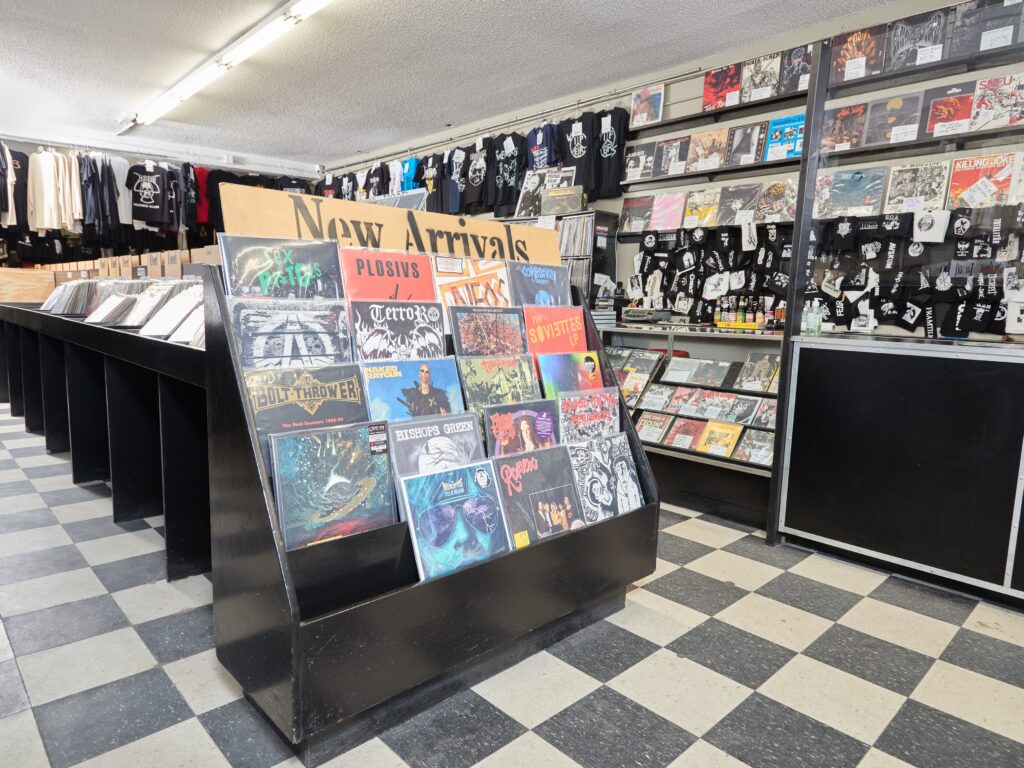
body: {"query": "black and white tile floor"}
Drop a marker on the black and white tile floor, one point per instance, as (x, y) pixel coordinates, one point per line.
(731, 654)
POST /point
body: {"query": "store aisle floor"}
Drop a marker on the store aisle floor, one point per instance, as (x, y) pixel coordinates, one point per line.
(731, 654)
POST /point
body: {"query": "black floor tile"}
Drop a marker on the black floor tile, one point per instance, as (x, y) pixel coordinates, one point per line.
(179, 635)
(754, 548)
(98, 720)
(161, 530)
(101, 527)
(47, 470)
(676, 549)
(132, 571)
(986, 656)
(697, 591)
(931, 601)
(810, 595)
(62, 624)
(16, 488)
(457, 733)
(45, 562)
(924, 736)
(726, 523)
(666, 518)
(608, 730)
(765, 734)
(603, 650)
(738, 655)
(75, 495)
(245, 737)
(23, 521)
(877, 661)
(12, 693)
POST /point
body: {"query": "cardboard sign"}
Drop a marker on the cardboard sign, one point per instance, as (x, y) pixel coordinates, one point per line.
(268, 213)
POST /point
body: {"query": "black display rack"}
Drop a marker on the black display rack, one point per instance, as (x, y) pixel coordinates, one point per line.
(338, 641)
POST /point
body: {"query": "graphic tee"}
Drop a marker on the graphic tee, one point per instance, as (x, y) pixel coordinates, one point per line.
(509, 167)
(291, 184)
(431, 177)
(332, 190)
(542, 145)
(455, 172)
(477, 168)
(151, 196)
(377, 180)
(611, 151)
(576, 141)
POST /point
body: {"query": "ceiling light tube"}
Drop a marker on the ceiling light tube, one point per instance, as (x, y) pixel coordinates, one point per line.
(256, 40)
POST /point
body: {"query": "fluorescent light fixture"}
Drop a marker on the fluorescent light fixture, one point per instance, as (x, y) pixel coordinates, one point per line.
(255, 39)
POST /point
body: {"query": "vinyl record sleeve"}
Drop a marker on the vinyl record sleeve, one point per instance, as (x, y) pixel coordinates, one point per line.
(498, 380)
(857, 54)
(743, 409)
(471, 282)
(685, 433)
(644, 361)
(396, 330)
(722, 87)
(917, 187)
(455, 519)
(538, 495)
(796, 69)
(893, 119)
(715, 405)
(998, 103)
(670, 156)
(756, 373)
(383, 275)
(520, 427)
(915, 40)
(678, 400)
(606, 478)
(331, 483)
(290, 333)
(738, 204)
(711, 373)
(488, 331)
(981, 181)
(785, 138)
(434, 443)
(639, 161)
(545, 284)
(657, 397)
(708, 150)
(588, 414)
(701, 208)
(756, 446)
(281, 269)
(843, 127)
(760, 79)
(667, 215)
(633, 386)
(822, 195)
(765, 418)
(567, 372)
(719, 438)
(680, 370)
(746, 143)
(981, 25)
(636, 213)
(856, 192)
(652, 426)
(554, 329)
(777, 202)
(617, 356)
(947, 109)
(404, 389)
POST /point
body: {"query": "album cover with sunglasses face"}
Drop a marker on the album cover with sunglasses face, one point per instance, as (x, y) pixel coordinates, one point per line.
(520, 427)
(497, 380)
(283, 333)
(269, 267)
(606, 478)
(588, 414)
(568, 371)
(431, 444)
(455, 518)
(332, 483)
(397, 330)
(538, 494)
(488, 330)
(544, 284)
(404, 389)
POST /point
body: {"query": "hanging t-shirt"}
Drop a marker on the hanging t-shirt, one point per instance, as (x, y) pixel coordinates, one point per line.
(331, 189)
(151, 196)
(202, 203)
(410, 166)
(291, 184)
(213, 181)
(19, 164)
(478, 166)
(191, 206)
(576, 143)
(430, 174)
(377, 179)
(394, 177)
(455, 174)
(611, 151)
(509, 167)
(542, 145)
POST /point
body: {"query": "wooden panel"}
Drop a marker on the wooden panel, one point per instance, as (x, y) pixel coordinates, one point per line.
(25, 286)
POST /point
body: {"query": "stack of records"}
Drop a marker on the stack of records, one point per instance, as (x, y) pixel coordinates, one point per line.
(113, 311)
(167, 319)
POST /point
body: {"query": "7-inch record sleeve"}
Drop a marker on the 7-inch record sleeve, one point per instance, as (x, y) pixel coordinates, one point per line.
(685, 433)
(796, 69)
(644, 361)
(488, 331)
(651, 427)
(857, 54)
(397, 330)
(657, 397)
(746, 143)
(743, 409)
(711, 373)
(543, 284)
(761, 77)
(331, 483)
(721, 87)
(765, 418)
(756, 373)
(915, 40)
(554, 329)
(387, 275)
(947, 109)
(997, 103)
(538, 494)
(893, 120)
(680, 370)
(520, 427)
(738, 204)
(287, 333)
(606, 478)
(756, 446)
(588, 414)
(281, 269)
(719, 438)
(670, 156)
(434, 443)
(639, 161)
(569, 371)
(404, 389)
(496, 380)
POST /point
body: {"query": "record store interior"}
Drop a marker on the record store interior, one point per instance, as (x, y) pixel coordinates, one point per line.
(512, 385)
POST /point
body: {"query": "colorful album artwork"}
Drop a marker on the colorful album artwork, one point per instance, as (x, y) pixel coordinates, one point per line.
(722, 87)
(856, 192)
(708, 150)
(668, 211)
(281, 269)
(497, 380)
(404, 389)
(785, 138)
(519, 427)
(554, 329)
(843, 127)
(719, 438)
(538, 495)
(636, 213)
(569, 371)
(701, 208)
(998, 103)
(647, 105)
(383, 275)
(685, 433)
(488, 331)
(981, 181)
(670, 156)
(947, 109)
(588, 414)
(857, 54)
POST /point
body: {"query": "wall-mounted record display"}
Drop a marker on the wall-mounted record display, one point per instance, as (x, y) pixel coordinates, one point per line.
(917, 187)
(722, 87)
(708, 149)
(915, 40)
(639, 162)
(738, 204)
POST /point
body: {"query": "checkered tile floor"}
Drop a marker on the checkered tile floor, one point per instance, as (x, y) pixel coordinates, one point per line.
(730, 654)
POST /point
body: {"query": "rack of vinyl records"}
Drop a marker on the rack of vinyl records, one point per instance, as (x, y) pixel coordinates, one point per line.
(388, 463)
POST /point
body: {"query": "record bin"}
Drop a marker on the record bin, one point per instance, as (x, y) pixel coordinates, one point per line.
(342, 637)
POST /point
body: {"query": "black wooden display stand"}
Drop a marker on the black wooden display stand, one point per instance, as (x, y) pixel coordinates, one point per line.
(333, 643)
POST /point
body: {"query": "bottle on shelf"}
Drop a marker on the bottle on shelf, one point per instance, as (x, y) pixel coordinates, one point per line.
(718, 312)
(742, 318)
(780, 315)
(759, 316)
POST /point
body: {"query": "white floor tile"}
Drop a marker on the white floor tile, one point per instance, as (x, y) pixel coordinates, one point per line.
(48, 591)
(705, 532)
(55, 483)
(703, 755)
(1000, 623)
(162, 598)
(782, 624)
(22, 503)
(20, 744)
(528, 750)
(898, 625)
(11, 475)
(31, 441)
(837, 573)
(203, 682)
(45, 460)
(111, 548)
(741, 571)
(155, 521)
(877, 759)
(655, 618)
(978, 699)
(83, 510)
(661, 568)
(185, 745)
(680, 510)
(371, 754)
(33, 540)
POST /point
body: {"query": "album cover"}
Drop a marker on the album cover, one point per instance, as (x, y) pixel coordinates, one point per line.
(777, 201)
(680, 370)
(711, 373)
(293, 399)
(518, 427)
(404, 389)
(765, 418)
(554, 329)
(719, 438)
(382, 275)
(981, 25)
(796, 69)
(785, 138)
(471, 283)
(917, 187)
(743, 410)
(708, 149)
(714, 405)
(998, 102)
(857, 54)
(981, 181)
(856, 192)
(480, 331)
(756, 373)
(722, 87)
(657, 397)
(746, 143)
(497, 380)
(636, 213)
(756, 446)
(915, 40)
(331, 483)
(651, 426)
(536, 182)
(588, 414)
(269, 267)
(455, 518)
(738, 204)
(843, 127)
(647, 104)
(633, 386)
(761, 77)
(434, 443)
(667, 215)
(285, 333)
(644, 361)
(679, 399)
(694, 401)
(617, 356)
(822, 195)
(606, 478)
(670, 156)
(538, 495)
(396, 330)
(947, 109)
(569, 371)
(685, 433)
(701, 208)
(773, 388)
(639, 161)
(545, 284)
(893, 119)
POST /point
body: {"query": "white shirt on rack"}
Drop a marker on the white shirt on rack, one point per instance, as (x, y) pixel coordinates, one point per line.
(43, 197)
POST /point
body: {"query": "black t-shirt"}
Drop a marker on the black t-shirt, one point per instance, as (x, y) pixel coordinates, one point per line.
(291, 184)
(430, 176)
(19, 163)
(151, 196)
(509, 167)
(611, 151)
(576, 142)
(213, 181)
(377, 180)
(478, 167)
(455, 175)
(349, 187)
(332, 190)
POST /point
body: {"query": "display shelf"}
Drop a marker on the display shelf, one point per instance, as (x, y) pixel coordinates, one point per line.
(771, 337)
(711, 116)
(704, 458)
(762, 168)
(670, 234)
(927, 145)
(641, 409)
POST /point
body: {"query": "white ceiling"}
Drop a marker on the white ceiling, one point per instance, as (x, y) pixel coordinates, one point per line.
(358, 76)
